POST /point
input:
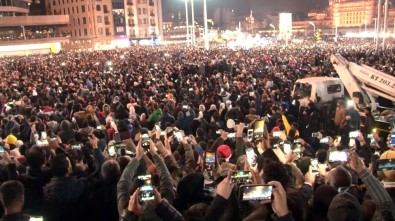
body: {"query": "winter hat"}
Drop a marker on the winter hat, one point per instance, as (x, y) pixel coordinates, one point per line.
(11, 139)
(345, 207)
(224, 151)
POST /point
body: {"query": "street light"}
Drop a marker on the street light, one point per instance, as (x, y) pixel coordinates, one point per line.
(193, 24)
(206, 43)
(187, 20)
(312, 23)
(274, 27)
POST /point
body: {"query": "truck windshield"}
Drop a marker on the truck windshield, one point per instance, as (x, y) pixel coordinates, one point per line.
(303, 90)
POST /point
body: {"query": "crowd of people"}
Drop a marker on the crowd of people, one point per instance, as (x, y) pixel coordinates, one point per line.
(159, 133)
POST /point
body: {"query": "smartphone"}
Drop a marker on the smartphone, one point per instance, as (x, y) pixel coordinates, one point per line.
(314, 166)
(209, 160)
(324, 140)
(256, 192)
(157, 127)
(250, 134)
(145, 140)
(315, 134)
(258, 129)
(42, 143)
(112, 122)
(111, 151)
(277, 133)
(76, 146)
(36, 218)
(146, 188)
(287, 148)
(1, 149)
(251, 93)
(392, 141)
(44, 135)
(351, 143)
(386, 164)
(178, 135)
(251, 156)
(353, 134)
(241, 177)
(338, 156)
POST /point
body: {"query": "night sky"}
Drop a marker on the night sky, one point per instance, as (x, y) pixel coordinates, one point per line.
(243, 7)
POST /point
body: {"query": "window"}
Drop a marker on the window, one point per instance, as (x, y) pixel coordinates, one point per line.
(79, 31)
(98, 8)
(139, 11)
(84, 20)
(144, 11)
(99, 19)
(83, 8)
(72, 9)
(120, 29)
(53, 3)
(86, 32)
(77, 10)
(335, 88)
(79, 22)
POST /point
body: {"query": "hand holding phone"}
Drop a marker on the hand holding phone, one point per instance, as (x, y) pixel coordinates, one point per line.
(279, 202)
(225, 188)
(146, 188)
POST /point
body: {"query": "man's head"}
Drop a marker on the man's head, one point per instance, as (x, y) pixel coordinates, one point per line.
(276, 171)
(61, 166)
(35, 157)
(339, 177)
(344, 206)
(111, 171)
(12, 196)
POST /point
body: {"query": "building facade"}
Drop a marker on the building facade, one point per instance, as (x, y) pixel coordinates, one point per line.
(23, 34)
(144, 18)
(352, 13)
(108, 24)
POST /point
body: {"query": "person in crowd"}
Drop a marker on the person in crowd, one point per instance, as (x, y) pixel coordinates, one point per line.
(82, 132)
(12, 196)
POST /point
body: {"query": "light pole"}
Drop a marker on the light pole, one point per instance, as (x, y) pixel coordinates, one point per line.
(378, 24)
(193, 24)
(274, 27)
(312, 23)
(385, 22)
(206, 43)
(336, 33)
(187, 20)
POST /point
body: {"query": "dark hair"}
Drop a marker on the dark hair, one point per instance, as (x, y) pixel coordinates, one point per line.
(197, 212)
(123, 162)
(35, 157)
(111, 171)
(276, 171)
(59, 165)
(10, 191)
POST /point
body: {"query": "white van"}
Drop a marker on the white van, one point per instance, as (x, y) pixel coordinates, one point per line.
(326, 88)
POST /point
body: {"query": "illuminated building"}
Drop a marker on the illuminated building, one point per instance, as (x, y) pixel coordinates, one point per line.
(107, 24)
(352, 13)
(21, 33)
